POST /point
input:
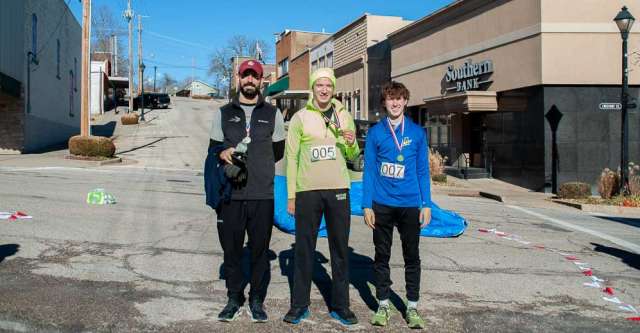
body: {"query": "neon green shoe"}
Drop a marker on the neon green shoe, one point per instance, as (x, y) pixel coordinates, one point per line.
(381, 318)
(413, 319)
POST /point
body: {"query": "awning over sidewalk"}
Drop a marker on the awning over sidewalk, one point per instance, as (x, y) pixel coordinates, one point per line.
(9, 85)
(292, 94)
(467, 101)
(119, 82)
(476, 101)
(278, 86)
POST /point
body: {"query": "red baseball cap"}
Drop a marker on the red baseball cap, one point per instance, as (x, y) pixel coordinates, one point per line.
(250, 64)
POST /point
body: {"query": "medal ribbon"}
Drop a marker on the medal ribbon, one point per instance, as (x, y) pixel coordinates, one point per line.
(334, 120)
(393, 133)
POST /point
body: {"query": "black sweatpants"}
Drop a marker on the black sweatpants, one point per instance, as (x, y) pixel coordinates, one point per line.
(407, 220)
(254, 217)
(310, 206)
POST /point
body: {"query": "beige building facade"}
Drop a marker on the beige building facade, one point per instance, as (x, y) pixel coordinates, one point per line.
(483, 75)
(350, 61)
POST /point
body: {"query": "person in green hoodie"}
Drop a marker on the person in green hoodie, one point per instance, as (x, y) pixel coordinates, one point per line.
(321, 138)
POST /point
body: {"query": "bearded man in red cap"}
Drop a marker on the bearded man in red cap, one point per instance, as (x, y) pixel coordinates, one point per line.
(249, 135)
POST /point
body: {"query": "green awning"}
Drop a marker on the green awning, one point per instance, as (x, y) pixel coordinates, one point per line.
(278, 86)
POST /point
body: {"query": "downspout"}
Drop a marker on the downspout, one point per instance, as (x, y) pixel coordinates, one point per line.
(364, 103)
(31, 57)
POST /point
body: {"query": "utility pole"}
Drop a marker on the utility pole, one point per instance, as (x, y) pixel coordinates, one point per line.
(84, 85)
(128, 14)
(140, 78)
(115, 55)
(155, 72)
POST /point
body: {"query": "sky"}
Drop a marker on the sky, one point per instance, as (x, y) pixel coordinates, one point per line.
(180, 35)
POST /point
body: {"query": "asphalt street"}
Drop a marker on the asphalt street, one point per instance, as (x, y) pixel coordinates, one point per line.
(151, 262)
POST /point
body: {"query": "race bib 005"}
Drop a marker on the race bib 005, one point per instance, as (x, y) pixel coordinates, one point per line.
(323, 153)
(392, 170)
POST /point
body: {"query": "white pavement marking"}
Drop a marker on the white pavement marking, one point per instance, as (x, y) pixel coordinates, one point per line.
(633, 247)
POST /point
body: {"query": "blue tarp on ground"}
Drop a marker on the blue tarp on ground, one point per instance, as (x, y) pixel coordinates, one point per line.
(444, 223)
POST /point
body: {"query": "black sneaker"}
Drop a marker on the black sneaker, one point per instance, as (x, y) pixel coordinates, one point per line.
(258, 314)
(344, 316)
(295, 315)
(230, 311)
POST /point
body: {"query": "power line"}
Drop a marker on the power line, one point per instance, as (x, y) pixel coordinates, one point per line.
(178, 40)
(166, 65)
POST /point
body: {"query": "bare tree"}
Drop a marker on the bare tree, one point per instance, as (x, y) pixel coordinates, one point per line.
(167, 82)
(104, 25)
(220, 64)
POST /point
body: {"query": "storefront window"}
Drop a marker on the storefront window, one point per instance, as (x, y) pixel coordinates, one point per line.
(439, 129)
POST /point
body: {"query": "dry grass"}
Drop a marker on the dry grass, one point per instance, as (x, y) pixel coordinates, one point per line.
(609, 183)
(574, 190)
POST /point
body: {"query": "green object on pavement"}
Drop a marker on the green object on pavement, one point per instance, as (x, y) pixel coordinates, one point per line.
(413, 319)
(100, 197)
(381, 317)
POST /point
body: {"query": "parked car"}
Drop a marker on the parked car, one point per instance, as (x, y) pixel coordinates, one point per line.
(362, 128)
(153, 101)
(162, 101)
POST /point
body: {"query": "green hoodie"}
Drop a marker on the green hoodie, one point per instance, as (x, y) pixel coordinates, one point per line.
(312, 163)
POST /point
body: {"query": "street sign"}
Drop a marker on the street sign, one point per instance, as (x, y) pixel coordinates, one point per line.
(610, 106)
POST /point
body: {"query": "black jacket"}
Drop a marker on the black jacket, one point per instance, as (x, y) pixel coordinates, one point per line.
(261, 155)
(216, 186)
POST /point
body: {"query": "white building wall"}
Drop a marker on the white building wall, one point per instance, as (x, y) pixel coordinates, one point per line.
(96, 101)
(54, 95)
(200, 89)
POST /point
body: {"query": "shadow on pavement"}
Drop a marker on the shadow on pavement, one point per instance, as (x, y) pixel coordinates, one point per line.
(630, 221)
(629, 258)
(143, 146)
(105, 130)
(320, 276)
(360, 276)
(7, 250)
(246, 268)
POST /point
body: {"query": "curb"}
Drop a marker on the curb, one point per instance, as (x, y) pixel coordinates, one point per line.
(95, 163)
(606, 209)
(493, 196)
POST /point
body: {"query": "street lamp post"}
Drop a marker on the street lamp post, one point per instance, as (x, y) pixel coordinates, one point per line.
(624, 20)
(142, 66)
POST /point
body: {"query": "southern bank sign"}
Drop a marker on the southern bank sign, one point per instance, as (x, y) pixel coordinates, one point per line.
(469, 76)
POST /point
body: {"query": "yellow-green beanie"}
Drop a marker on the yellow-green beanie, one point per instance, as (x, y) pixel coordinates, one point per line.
(322, 72)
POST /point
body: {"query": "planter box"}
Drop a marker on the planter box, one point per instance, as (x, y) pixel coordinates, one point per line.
(605, 209)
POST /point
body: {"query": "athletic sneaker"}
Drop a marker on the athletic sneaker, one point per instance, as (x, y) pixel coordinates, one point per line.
(344, 316)
(413, 319)
(258, 314)
(296, 315)
(381, 318)
(230, 311)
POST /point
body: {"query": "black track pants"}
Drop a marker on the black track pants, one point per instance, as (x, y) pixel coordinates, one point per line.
(407, 220)
(310, 206)
(255, 218)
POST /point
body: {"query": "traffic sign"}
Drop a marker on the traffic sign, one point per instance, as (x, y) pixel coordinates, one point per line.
(610, 106)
